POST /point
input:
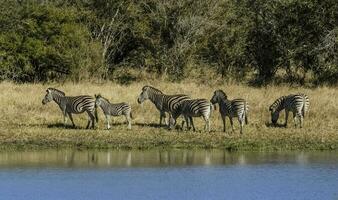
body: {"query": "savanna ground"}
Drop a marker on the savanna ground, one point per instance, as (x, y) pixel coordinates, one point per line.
(26, 123)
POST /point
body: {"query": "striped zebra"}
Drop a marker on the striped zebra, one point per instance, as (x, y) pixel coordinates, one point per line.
(164, 103)
(193, 108)
(110, 109)
(298, 104)
(69, 105)
(231, 108)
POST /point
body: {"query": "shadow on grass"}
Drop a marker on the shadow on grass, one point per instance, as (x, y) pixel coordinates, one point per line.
(153, 125)
(61, 125)
(271, 125)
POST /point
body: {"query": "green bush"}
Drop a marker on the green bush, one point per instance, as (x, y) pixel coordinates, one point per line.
(247, 41)
(47, 43)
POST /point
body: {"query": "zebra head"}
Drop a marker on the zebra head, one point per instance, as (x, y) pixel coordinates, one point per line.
(274, 114)
(172, 122)
(144, 94)
(98, 100)
(51, 92)
(218, 96)
(148, 92)
(275, 108)
(174, 115)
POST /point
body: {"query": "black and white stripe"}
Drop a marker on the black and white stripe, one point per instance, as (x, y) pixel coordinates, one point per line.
(231, 108)
(193, 108)
(110, 109)
(164, 103)
(75, 105)
(298, 104)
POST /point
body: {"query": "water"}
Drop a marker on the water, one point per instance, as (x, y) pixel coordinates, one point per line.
(174, 174)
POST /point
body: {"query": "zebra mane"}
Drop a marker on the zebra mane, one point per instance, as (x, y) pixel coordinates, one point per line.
(57, 91)
(100, 96)
(152, 88)
(222, 94)
(277, 103)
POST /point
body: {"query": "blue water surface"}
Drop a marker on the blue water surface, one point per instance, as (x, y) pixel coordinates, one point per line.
(262, 180)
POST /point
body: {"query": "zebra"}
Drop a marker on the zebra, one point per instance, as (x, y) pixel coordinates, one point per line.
(72, 104)
(164, 103)
(231, 108)
(298, 104)
(110, 109)
(193, 108)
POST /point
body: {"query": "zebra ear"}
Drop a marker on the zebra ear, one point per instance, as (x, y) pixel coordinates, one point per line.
(146, 87)
(48, 90)
(95, 95)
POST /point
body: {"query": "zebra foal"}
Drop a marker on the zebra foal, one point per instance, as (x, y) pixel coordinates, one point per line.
(75, 105)
(192, 108)
(110, 109)
(298, 104)
(231, 108)
(164, 103)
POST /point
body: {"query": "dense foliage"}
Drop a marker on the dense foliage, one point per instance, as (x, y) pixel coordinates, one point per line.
(249, 40)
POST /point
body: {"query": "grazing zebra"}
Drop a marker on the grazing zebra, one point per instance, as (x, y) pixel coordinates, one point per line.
(164, 103)
(69, 105)
(298, 104)
(110, 109)
(231, 108)
(193, 108)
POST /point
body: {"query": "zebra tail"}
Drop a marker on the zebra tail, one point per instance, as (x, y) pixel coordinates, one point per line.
(303, 108)
(246, 113)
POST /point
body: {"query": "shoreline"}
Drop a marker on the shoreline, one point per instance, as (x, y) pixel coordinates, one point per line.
(163, 139)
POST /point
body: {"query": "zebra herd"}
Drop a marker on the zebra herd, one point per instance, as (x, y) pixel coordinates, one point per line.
(175, 106)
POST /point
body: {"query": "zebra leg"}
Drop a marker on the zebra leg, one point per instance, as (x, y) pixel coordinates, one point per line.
(223, 119)
(128, 120)
(71, 118)
(300, 120)
(186, 119)
(167, 122)
(182, 124)
(303, 110)
(241, 123)
(108, 121)
(91, 119)
(162, 115)
(171, 122)
(64, 118)
(232, 124)
(295, 119)
(192, 123)
(207, 124)
(286, 118)
(88, 123)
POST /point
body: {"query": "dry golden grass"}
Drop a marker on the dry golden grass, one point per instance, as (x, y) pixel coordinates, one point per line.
(26, 123)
